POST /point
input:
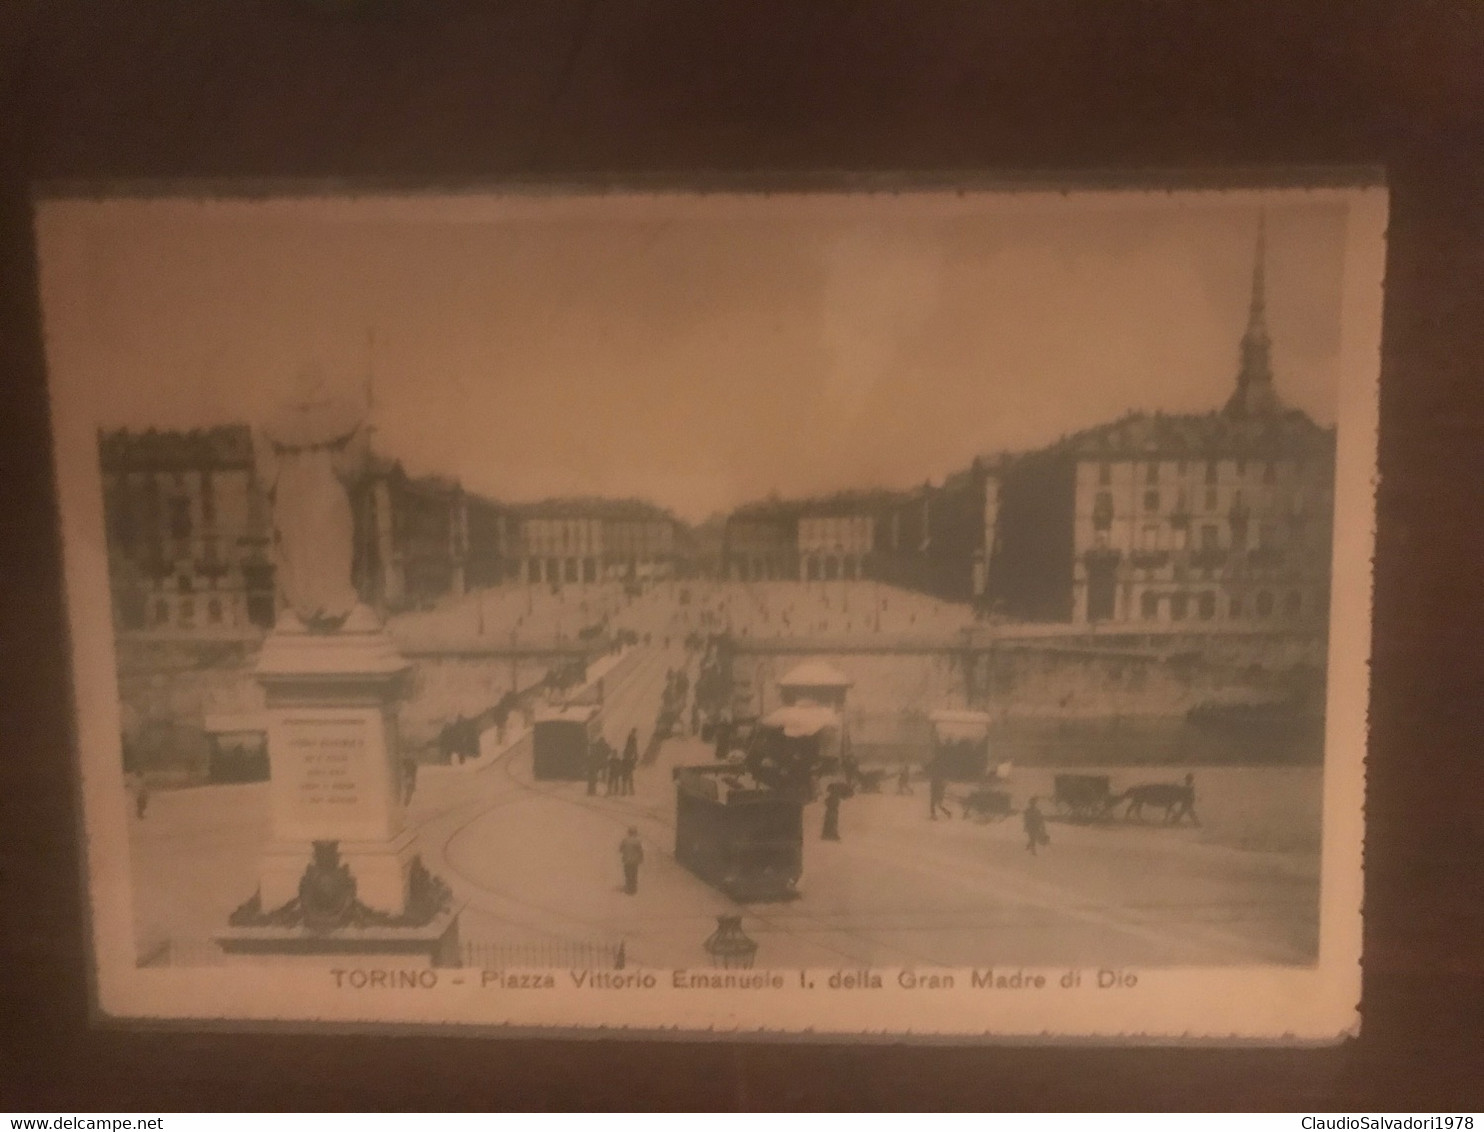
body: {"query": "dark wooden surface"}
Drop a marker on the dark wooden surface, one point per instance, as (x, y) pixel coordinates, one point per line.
(446, 90)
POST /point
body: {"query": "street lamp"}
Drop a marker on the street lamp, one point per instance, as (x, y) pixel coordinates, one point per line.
(729, 946)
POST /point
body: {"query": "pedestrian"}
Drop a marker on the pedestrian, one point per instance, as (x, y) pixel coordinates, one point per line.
(904, 779)
(1035, 827)
(937, 792)
(626, 770)
(615, 771)
(1186, 805)
(831, 831)
(597, 763)
(631, 853)
(851, 769)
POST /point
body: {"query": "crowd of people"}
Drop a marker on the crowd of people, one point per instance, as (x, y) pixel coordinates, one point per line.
(611, 767)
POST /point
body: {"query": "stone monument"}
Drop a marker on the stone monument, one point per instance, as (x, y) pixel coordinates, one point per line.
(340, 874)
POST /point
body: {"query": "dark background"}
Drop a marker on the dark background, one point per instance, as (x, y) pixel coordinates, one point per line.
(440, 91)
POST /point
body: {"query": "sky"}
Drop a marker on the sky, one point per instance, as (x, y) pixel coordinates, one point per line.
(696, 350)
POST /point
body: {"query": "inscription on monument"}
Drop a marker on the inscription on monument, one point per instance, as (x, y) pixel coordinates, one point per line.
(331, 759)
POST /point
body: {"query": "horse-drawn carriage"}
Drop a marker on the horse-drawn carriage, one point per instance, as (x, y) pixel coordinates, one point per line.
(1090, 797)
(1083, 797)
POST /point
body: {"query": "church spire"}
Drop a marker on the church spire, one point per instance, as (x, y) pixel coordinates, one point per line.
(1254, 394)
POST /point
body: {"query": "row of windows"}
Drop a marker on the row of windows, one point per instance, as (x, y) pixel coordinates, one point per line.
(1102, 507)
(1155, 536)
(1212, 468)
(1263, 605)
(132, 519)
(562, 570)
(831, 568)
(579, 535)
(852, 531)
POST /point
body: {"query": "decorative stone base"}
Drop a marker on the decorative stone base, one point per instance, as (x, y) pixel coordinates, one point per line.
(436, 944)
(380, 869)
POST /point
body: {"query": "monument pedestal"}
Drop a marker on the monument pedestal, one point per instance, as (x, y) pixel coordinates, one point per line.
(380, 869)
(341, 874)
(434, 944)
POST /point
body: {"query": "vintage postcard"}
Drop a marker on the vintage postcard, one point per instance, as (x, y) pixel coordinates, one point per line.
(936, 613)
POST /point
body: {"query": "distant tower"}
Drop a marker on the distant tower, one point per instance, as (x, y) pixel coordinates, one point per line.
(1255, 395)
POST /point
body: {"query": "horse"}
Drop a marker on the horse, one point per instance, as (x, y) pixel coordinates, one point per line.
(1177, 800)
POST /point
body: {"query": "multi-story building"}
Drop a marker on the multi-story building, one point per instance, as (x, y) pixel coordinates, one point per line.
(488, 529)
(835, 540)
(412, 537)
(1160, 520)
(706, 543)
(940, 539)
(760, 541)
(825, 538)
(578, 541)
(188, 530)
(644, 543)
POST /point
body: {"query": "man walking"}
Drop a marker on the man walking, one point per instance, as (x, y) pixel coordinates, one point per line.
(1186, 805)
(626, 772)
(937, 792)
(631, 853)
(723, 735)
(833, 795)
(597, 763)
(629, 762)
(1035, 828)
(615, 771)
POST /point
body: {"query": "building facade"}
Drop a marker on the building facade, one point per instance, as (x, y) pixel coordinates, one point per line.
(825, 538)
(939, 539)
(835, 543)
(1163, 521)
(582, 541)
(413, 538)
(760, 542)
(1209, 520)
(188, 530)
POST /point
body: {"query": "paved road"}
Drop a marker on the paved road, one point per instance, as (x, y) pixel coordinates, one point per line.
(538, 861)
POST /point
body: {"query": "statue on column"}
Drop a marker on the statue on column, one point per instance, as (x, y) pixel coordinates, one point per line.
(316, 448)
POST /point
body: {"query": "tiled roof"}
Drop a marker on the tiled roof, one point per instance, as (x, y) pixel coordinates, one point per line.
(1286, 433)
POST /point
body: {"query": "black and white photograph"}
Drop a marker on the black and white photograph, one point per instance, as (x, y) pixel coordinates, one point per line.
(936, 611)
